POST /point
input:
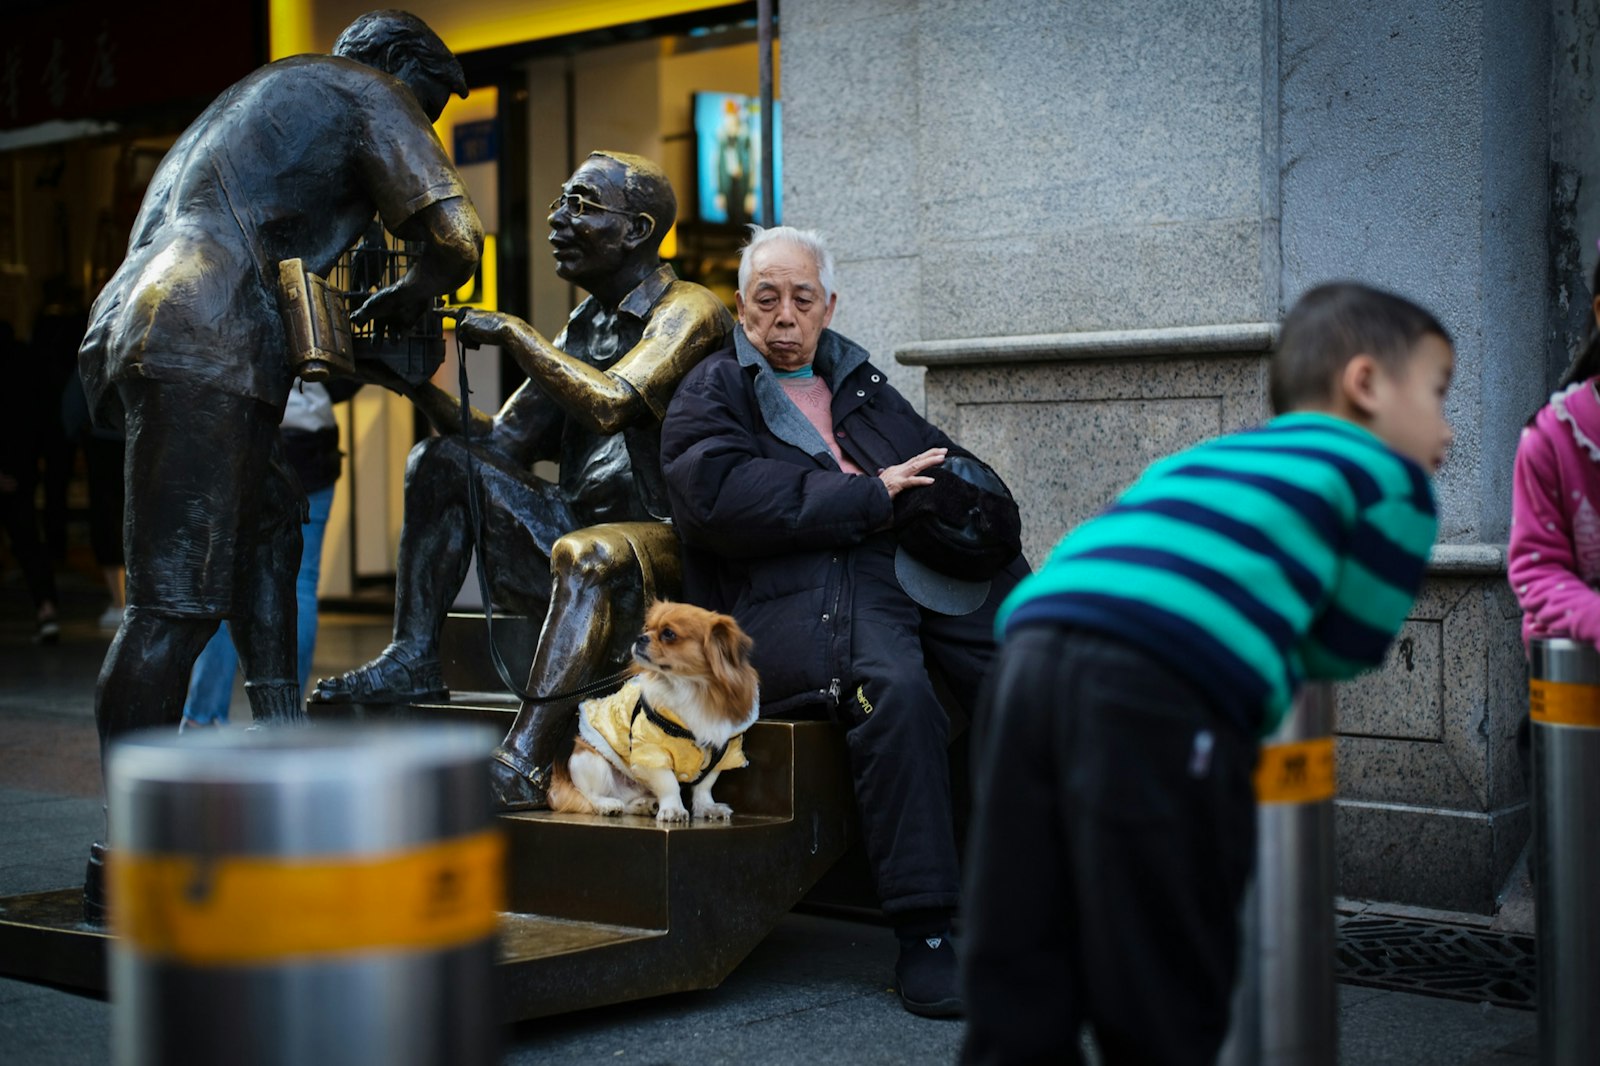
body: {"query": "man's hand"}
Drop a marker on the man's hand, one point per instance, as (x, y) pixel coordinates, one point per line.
(476, 327)
(909, 473)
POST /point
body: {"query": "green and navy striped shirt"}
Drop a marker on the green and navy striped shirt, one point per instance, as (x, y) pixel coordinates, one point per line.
(1250, 563)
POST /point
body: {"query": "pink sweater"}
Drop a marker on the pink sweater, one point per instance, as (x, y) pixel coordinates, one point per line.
(811, 395)
(1554, 558)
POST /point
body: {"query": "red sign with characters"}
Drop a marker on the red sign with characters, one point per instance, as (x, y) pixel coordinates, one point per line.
(77, 59)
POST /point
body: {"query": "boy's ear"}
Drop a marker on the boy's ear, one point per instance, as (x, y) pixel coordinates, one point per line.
(1359, 383)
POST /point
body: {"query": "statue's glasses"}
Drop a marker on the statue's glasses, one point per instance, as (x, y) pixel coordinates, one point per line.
(576, 205)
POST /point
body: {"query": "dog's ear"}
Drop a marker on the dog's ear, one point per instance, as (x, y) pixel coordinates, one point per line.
(727, 649)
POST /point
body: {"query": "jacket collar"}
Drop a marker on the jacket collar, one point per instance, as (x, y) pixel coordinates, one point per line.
(1579, 407)
(837, 358)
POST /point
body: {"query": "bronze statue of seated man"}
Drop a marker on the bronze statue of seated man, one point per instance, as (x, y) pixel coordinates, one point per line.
(590, 549)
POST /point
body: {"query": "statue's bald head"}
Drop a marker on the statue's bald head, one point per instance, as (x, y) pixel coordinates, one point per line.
(646, 188)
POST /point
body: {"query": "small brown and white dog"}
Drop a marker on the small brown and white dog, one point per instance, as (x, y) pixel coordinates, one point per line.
(678, 720)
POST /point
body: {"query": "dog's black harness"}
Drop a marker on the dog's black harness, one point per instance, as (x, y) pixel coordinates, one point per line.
(673, 729)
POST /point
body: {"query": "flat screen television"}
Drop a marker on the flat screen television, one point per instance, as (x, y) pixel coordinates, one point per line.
(727, 137)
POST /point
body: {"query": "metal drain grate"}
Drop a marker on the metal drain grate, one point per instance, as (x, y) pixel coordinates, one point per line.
(1437, 960)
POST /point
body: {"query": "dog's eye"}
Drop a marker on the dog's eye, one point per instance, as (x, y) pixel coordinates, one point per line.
(667, 636)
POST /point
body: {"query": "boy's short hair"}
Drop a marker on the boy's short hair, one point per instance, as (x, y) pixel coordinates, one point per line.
(1332, 324)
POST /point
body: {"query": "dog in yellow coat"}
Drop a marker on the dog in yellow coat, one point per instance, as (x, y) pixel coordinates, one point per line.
(677, 721)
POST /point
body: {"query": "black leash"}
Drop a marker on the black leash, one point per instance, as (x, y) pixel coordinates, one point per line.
(475, 512)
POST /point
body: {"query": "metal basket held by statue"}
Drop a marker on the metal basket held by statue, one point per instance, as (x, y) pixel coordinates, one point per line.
(316, 317)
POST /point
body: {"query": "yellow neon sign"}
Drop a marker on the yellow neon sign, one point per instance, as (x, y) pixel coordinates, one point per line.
(298, 26)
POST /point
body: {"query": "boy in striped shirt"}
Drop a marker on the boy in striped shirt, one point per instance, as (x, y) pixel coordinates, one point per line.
(1141, 664)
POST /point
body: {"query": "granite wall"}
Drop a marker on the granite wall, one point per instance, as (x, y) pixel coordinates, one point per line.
(990, 169)
(1077, 225)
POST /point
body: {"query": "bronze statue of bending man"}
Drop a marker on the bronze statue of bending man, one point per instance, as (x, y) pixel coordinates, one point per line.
(592, 548)
(186, 351)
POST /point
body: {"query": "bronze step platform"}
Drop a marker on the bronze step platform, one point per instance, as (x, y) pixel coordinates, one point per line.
(602, 910)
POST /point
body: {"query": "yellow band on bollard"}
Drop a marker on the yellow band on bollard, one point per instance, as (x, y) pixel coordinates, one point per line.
(241, 909)
(1563, 703)
(1301, 772)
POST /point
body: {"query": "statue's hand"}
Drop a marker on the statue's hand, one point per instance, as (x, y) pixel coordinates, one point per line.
(476, 327)
(395, 309)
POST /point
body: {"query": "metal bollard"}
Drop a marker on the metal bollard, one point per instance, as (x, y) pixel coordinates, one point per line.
(1564, 708)
(1285, 1004)
(306, 896)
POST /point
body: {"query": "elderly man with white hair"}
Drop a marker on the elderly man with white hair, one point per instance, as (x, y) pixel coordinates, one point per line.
(788, 457)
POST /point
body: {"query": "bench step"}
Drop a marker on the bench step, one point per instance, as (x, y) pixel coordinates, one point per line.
(601, 910)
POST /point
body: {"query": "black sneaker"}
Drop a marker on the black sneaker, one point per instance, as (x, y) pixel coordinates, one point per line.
(928, 978)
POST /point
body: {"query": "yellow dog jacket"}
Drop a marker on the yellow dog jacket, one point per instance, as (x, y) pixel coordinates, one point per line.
(632, 733)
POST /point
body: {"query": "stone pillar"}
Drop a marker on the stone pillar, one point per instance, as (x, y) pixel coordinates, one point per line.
(1413, 146)
(1432, 807)
(1078, 224)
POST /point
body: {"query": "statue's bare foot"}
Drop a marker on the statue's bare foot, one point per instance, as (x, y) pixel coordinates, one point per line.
(390, 678)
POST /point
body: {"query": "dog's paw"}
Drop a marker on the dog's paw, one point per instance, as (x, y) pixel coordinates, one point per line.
(608, 806)
(673, 812)
(713, 812)
(642, 805)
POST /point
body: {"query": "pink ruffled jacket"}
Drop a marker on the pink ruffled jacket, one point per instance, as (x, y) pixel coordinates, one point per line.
(1554, 557)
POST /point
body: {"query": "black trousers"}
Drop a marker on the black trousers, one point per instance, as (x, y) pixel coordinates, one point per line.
(899, 733)
(1112, 842)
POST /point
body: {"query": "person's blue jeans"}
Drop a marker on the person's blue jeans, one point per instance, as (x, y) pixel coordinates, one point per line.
(211, 684)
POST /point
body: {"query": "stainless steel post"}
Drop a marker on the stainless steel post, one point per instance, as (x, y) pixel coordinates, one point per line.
(306, 896)
(1564, 705)
(1285, 1009)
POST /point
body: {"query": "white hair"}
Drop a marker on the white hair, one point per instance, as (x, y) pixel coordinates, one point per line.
(812, 242)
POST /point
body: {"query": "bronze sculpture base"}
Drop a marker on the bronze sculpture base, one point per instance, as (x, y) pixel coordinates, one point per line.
(601, 910)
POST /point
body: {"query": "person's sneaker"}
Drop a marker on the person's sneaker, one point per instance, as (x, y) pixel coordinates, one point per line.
(48, 631)
(927, 977)
(111, 618)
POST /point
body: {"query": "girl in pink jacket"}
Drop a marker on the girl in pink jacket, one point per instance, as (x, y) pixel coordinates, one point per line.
(1554, 557)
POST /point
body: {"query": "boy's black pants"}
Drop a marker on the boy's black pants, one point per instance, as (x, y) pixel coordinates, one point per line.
(1112, 842)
